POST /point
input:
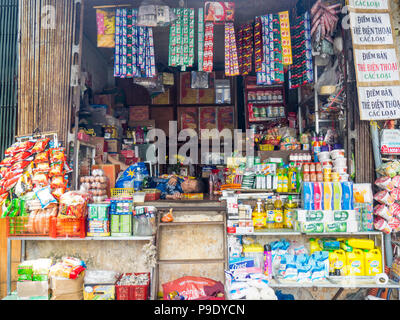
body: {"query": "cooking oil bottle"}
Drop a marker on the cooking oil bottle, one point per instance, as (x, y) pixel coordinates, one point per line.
(288, 214)
(285, 181)
(373, 262)
(259, 216)
(269, 208)
(278, 213)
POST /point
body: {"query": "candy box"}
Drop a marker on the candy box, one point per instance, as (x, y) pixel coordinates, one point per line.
(99, 292)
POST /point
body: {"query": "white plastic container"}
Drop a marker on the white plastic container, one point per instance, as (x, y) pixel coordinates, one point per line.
(139, 197)
(336, 154)
(340, 170)
(344, 177)
(323, 156)
(340, 162)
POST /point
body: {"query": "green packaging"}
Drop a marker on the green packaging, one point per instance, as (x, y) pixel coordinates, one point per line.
(312, 227)
(40, 277)
(25, 277)
(336, 227)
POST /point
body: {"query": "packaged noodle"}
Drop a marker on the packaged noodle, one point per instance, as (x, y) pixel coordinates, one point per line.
(57, 155)
(42, 157)
(40, 145)
(384, 197)
(57, 169)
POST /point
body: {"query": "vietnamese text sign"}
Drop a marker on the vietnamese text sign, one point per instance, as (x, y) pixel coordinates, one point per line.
(369, 4)
(379, 103)
(390, 141)
(371, 28)
(377, 65)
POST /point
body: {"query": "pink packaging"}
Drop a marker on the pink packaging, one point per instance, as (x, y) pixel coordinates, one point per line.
(395, 194)
(384, 198)
(385, 183)
(382, 211)
(317, 196)
(381, 225)
(394, 223)
(396, 181)
(394, 209)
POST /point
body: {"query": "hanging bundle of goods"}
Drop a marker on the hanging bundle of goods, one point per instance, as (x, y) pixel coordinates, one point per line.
(301, 72)
(231, 57)
(245, 48)
(181, 39)
(324, 21)
(134, 47)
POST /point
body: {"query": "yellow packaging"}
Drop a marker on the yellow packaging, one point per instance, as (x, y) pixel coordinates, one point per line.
(367, 244)
(373, 262)
(328, 195)
(338, 261)
(355, 263)
(314, 245)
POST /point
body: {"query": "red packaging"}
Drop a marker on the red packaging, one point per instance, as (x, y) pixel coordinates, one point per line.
(7, 162)
(42, 157)
(394, 209)
(189, 287)
(20, 165)
(395, 194)
(9, 184)
(382, 211)
(12, 174)
(11, 150)
(40, 145)
(58, 182)
(22, 156)
(42, 167)
(384, 198)
(57, 193)
(57, 155)
(24, 146)
(218, 11)
(40, 179)
(57, 169)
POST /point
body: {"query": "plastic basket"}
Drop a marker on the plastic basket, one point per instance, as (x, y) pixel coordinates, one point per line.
(27, 227)
(67, 228)
(132, 292)
(122, 192)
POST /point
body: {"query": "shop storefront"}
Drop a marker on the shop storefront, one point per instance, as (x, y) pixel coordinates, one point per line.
(249, 148)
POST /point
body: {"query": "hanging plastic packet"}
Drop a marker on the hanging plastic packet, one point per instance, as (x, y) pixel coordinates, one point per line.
(105, 28)
(168, 217)
(40, 145)
(200, 40)
(208, 64)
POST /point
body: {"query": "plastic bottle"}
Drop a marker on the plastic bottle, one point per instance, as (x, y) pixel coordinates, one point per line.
(280, 183)
(367, 244)
(355, 263)
(285, 181)
(268, 261)
(373, 262)
(270, 214)
(293, 177)
(288, 214)
(337, 263)
(314, 245)
(278, 213)
(259, 216)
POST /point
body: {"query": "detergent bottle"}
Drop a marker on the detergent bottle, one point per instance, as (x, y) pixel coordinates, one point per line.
(259, 216)
(337, 263)
(314, 245)
(373, 262)
(367, 244)
(355, 262)
(278, 213)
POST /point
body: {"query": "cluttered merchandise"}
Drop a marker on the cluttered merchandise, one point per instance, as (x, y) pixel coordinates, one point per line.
(295, 202)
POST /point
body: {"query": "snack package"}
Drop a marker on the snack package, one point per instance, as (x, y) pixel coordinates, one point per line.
(7, 162)
(22, 156)
(385, 183)
(42, 167)
(394, 210)
(57, 193)
(11, 151)
(45, 197)
(57, 169)
(384, 197)
(40, 179)
(168, 217)
(42, 157)
(20, 165)
(362, 193)
(382, 211)
(57, 155)
(73, 204)
(24, 146)
(395, 194)
(58, 182)
(40, 145)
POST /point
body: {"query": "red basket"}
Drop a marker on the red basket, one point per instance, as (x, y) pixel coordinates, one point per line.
(68, 228)
(132, 292)
(28, 226)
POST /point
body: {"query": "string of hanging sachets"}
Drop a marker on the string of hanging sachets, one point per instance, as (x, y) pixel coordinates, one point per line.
(134, 47)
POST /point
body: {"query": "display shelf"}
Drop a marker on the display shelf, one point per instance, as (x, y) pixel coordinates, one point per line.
(265, 102)
(83, 239)
(265, 119)
(290, 232)
(264, 190)
(200, 223)
(334, 282)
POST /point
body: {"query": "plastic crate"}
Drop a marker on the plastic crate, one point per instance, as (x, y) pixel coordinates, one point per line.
(27, 227)
(67, 228)
(152, 194)
(133, 292)
(122, 192)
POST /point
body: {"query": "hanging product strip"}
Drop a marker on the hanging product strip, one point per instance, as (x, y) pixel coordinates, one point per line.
(231, 57)
(208, 63)
(301, 71)
(181, 39)
(134, 47)
(201, 40)
(285, 38)
(245, 48)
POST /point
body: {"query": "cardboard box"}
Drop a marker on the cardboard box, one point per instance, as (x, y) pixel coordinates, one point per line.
(113, 146)
(33, 289)
(326, 216)
(69, 296)
(106, 99)
(111, 171)
(99, 143)
(139, 113)
(62, 286)
(99, 292)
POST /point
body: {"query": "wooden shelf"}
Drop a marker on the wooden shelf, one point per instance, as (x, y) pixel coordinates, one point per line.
(191, 223)
(194, 261)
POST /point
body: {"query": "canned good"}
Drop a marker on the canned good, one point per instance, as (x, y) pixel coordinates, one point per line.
(282, 111)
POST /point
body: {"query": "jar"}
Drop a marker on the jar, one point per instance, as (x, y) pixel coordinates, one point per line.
(313, 176)
(312, 167)
(306, 168)
(320, 177)
(318, 167)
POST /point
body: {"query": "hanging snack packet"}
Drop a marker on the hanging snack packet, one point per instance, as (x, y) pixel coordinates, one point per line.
(40, 179)
(7, 185)
(57, 169)
(394, 209)
(385, 183)
(384, 197)
(25, 146)
(11, 151)
(42, 157)
(20, 165)
(57, 155)
(42, 167)
(22, 156)
(382, 211)
(58, 182)
(7, 162)
(45, 197)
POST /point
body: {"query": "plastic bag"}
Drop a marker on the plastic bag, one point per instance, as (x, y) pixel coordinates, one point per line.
(190, 288)
(330, 76)
(105, 28)
(40, 145)
(45, 197)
